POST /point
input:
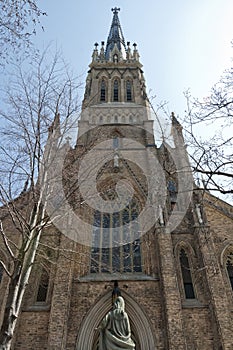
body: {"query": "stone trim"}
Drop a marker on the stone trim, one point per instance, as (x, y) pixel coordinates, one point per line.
(101, 277)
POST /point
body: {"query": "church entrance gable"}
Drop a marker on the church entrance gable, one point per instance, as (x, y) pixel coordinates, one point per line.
(142, 333)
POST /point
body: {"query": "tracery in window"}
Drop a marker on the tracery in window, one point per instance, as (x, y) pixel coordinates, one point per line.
(128, 90)
(113, 247)
(116, 90)
(229, 267)
(186, 276)
(103, 91)
(43, 286)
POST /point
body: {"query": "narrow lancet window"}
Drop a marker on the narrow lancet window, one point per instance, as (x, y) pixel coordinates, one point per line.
(43, 286)
(115, 58)
(116, 91)
(115, 142)
(186, 276)
(103, 91)
(229, 267)
(128, 91)
(172, 189)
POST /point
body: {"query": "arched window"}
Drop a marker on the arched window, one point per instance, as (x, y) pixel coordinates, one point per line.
(229, 267)
(43, 286)
(115, 142)
(172, 190)
(115, 58)
(186, 276)
(128, 91)
(114, 249)
(116, 90)
(103, 91)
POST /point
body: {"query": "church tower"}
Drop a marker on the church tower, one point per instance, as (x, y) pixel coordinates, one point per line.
(144, 230)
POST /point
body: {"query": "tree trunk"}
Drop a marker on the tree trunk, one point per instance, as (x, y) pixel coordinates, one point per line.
(16, 290)
(11, 313)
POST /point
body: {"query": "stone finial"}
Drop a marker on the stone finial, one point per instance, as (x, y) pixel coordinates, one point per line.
(95, 52)
(102, 54)
(128, 52)
(135, 52)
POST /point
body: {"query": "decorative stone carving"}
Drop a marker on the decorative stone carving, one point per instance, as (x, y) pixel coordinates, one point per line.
(115, 329)
(115, 115)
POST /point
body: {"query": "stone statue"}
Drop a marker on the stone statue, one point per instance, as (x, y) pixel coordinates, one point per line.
(115, 331)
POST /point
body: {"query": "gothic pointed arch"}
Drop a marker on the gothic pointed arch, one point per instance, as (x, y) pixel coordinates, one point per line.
(43, 286)
(227, 263)
(140, 324)
(116, 90)
(185, 257)
(103, 88)
(129, 90)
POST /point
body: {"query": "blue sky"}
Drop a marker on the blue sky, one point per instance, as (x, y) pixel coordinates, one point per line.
(182, 44)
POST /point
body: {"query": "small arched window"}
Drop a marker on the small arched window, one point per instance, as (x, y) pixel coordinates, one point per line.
(116, 90)
(186, 276)
(115, 142)
(172, 190)
(229, 267)
(43, 286)
(103, 91)
(128, 91)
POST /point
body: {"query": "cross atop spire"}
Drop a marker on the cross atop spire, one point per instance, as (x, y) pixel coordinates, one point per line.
(115, 35)
(115, 10)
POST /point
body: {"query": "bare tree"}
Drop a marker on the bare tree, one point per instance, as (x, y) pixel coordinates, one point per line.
(36, 95)
(18, 22)
(212, 151)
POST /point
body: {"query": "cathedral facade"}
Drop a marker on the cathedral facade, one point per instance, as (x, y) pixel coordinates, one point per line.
(145, 232)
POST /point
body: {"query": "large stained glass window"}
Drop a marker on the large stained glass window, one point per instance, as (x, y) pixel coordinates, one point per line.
(114, 248)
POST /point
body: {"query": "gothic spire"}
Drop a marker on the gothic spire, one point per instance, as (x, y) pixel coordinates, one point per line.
(115, 36)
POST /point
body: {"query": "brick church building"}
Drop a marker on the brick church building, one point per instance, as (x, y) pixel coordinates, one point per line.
(150, 234)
